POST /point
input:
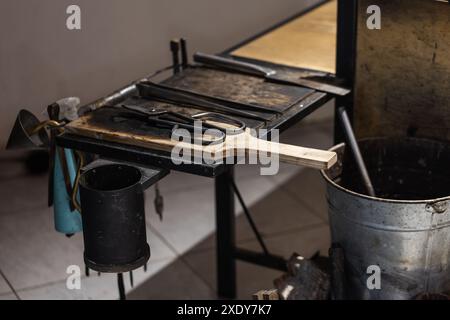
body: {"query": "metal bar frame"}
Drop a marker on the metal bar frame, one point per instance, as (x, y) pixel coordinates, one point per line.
(345, 59)
(225, 235)
(227, 251)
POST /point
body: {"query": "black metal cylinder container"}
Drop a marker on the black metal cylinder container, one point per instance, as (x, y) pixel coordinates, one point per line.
(112, 203)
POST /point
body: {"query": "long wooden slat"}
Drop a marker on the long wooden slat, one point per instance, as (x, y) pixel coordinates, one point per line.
(233, 145)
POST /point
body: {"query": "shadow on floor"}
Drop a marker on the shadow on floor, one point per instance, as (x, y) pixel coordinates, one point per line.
(292, 218)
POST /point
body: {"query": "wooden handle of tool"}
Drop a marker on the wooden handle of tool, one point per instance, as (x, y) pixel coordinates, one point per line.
(308, 157)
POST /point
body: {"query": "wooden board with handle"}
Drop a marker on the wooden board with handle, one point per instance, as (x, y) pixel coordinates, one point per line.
(98, 125)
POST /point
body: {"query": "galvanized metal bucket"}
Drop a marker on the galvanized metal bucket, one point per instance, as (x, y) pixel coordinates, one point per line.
(404, 232)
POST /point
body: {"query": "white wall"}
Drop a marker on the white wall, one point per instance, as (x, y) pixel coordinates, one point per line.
(120, 41)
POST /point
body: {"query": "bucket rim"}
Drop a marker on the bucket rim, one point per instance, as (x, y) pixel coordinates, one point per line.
(378, 199)
(132, 186)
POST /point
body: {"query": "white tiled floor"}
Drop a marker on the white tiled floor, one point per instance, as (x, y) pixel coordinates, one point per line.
(306, 241)
(289, 209)
(4, 287)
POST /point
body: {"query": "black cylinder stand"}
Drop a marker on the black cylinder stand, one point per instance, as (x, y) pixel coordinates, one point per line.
(113, 212)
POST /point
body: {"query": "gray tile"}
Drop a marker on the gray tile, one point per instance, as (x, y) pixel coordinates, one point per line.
(176, 281)
(309, 188)
(253, 189)
(95, 287)
(17, 195)
(5, 297)
(159, 250)
(250, 278)
(286, 172)
(179, 181)
(275, 213)
(305, 242)
(247, 171)
(32, 253)
(188, 217)
(4, 287)
(12, 164)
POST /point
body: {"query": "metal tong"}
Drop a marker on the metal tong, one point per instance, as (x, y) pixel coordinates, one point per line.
(174, 120)
(169, 94)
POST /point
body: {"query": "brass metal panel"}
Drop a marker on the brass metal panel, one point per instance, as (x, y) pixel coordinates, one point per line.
(403, 70)
(306, 42)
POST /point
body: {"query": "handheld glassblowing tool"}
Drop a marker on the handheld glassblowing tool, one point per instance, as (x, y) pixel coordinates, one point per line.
(172, 120)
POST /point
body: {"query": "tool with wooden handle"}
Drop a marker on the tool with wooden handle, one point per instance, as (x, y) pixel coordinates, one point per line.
(234, 145)
(296, 155)
(267, 73)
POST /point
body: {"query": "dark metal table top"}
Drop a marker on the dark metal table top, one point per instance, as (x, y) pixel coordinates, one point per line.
(155, 158)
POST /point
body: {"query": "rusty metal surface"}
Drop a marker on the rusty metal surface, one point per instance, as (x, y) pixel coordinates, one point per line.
(407, 232)
(239, 88)
(403, 70)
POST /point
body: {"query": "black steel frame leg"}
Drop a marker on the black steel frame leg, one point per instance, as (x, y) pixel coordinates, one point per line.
(225, 233)
(345, 58)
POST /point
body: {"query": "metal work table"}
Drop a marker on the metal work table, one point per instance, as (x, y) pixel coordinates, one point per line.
(227, 251)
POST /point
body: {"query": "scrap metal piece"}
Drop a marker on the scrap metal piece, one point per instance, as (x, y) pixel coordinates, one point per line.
(305, 281)
(271, 294)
